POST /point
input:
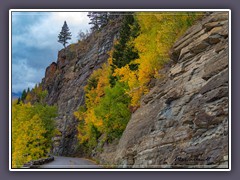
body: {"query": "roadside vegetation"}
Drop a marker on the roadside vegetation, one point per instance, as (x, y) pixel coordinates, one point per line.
(32, 127)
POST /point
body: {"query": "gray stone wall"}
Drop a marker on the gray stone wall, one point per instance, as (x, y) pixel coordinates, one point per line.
(183, 121)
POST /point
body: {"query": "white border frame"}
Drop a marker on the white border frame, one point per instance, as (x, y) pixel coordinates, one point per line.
(87, 10)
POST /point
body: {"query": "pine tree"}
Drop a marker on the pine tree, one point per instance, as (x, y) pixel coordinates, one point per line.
(18, 101)
(115, 15)
(64, 35)
(98, 19)
(124, 52)
(24, 95)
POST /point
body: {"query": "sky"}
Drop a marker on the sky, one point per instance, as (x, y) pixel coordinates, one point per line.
(35, 43)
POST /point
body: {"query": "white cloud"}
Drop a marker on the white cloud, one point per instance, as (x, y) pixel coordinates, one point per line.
(45, 32)
(75, 18)
(40, 32)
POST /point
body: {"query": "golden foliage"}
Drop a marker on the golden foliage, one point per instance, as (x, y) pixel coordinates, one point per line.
(94, 90)
(159, 30)
(31, 138)
(115, 89)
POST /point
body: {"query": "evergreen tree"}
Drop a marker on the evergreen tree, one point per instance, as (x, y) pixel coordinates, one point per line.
(98, 19)
(124, 52)
(64, 35)
(18, 101)
(24, 95)
(115, 15)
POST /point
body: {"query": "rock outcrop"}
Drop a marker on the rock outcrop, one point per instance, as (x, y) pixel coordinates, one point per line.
(65, 80)
(183, 121)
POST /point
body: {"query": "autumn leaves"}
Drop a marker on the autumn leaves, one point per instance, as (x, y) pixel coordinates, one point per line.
(115, 89)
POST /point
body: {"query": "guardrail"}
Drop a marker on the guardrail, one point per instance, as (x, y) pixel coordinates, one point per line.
(37, 163)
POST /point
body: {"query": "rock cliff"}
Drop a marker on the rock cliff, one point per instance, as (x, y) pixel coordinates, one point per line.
(183, 121)
(65, 80)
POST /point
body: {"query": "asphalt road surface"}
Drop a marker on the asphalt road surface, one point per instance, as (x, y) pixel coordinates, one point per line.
(70, 162)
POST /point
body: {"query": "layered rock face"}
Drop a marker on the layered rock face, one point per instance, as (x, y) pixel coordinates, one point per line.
(65, 81)
(183, 121)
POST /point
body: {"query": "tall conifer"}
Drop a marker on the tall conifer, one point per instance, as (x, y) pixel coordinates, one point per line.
(64, 35)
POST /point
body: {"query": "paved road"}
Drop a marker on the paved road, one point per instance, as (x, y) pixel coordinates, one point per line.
(69, 162)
